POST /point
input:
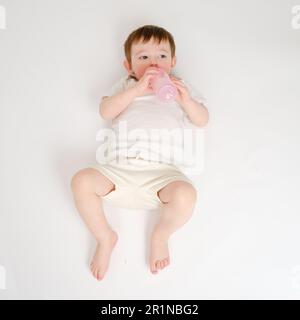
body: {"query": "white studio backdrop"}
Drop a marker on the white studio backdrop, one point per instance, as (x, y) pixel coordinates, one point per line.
(57, 58)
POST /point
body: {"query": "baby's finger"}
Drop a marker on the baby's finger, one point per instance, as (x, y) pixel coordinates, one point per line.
(176, 79)
(180, 84)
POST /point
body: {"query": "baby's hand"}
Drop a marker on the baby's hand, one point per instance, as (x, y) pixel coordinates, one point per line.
(172, 77)
(183, 92)
(143, 86)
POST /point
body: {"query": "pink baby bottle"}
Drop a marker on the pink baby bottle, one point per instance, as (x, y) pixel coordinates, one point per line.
(163, 87)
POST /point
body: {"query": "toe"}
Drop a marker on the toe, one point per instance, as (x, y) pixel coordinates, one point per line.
(154, 271)
(92, 270)
(95, 273)
(153, 268)
(157, 264)
(99, 275)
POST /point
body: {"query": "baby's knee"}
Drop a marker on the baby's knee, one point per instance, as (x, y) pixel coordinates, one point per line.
(185, 194)
(82, 180)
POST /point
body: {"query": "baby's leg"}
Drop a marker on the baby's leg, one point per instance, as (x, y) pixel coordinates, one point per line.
(179, 198)
(88, 185)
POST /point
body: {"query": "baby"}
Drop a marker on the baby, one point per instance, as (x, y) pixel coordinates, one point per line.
(141, 182)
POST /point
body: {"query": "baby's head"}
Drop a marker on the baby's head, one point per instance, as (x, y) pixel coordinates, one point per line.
(149, 46)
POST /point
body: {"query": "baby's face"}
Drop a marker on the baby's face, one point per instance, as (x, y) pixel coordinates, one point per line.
(150, 54)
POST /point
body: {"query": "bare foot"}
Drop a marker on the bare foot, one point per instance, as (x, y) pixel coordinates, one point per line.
(101, 258)
(159, 254)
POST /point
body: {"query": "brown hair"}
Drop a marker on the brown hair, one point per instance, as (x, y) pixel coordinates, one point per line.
(145, 33)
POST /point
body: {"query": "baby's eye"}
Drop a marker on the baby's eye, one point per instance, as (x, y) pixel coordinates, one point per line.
(142, 57)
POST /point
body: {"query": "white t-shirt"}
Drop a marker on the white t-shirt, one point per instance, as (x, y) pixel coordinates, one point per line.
(151, 129)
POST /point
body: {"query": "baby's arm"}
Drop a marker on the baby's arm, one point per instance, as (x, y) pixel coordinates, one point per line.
(196, 111)
(112, 106)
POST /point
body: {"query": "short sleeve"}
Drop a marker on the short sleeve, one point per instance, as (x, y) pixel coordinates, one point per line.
(117, 87)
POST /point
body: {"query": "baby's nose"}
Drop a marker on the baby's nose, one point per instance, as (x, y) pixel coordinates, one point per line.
(154, 64)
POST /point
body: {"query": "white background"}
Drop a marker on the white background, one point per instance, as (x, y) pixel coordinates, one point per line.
(58, 57)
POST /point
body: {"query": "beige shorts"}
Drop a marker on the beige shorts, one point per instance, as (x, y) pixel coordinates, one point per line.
(137, 182)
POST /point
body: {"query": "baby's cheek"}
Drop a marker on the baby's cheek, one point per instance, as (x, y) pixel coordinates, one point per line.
(140, 73)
